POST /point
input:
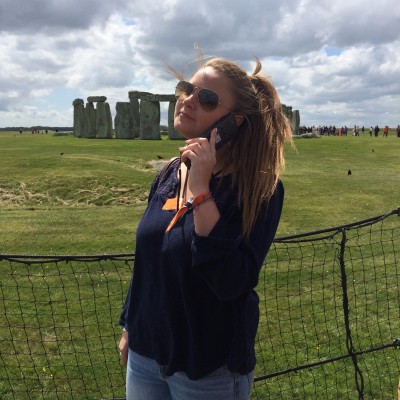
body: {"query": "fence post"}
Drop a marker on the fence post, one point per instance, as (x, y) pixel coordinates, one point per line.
(359, 379)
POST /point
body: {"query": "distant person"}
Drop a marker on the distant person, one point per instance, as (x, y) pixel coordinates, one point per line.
(362, 131)
(398, 130)
(20, 130)
(371, 130)
(377, 130)
(386, 131)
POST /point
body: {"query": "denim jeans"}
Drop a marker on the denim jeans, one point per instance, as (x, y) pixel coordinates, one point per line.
(145, 381)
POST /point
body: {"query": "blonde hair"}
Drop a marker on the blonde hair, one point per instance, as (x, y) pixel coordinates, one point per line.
(255, 158)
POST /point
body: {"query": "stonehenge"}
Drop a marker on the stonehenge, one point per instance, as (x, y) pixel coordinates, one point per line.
(79, 117)
(124, 121)
(138, 118)
(91, 122)
(293, 117)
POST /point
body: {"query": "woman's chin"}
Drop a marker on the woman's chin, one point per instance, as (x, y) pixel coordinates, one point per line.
(185, 131)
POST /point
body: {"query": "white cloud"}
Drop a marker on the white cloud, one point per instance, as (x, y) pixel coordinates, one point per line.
(337, 62)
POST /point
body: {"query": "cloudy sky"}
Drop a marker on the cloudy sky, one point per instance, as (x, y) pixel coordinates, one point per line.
(338, 62)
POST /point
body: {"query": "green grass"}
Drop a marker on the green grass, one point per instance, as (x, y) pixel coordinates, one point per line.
(88, 200)
(321, 194)
(64, 195)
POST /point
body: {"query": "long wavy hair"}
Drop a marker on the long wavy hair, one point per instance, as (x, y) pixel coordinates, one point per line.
(255, 158)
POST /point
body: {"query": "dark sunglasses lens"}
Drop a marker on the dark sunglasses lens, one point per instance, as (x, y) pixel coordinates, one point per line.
(183, 89)
(208, 99)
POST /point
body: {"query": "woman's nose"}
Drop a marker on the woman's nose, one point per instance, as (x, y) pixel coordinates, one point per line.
(191, 100)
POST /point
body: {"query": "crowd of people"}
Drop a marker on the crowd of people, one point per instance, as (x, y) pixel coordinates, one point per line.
(34, 131)
(331, 130)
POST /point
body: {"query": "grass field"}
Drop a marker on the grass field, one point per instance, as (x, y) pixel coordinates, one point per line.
(64, 195)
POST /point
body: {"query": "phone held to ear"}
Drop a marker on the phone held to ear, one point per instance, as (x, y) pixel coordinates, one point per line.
(227, 129)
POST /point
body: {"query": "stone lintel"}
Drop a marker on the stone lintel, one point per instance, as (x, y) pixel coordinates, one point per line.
(78, 101)
(135, 94)
(96, 99)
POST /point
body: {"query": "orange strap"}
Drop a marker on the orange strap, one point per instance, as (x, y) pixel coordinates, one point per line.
(188, 208)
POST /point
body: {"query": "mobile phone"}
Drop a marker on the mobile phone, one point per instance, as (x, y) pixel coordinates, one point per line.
(227, 129)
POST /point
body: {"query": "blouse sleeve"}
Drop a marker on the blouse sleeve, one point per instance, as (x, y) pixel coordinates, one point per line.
(123, 318)
(229, 264)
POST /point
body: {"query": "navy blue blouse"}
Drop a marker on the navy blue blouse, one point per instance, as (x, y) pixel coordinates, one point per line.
(191, 304)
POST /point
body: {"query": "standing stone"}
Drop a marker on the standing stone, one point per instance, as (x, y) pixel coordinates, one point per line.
(294, 118)
(90, 121)
(284, 109)
(289, 113)
(135, 112)
(172, 132)
(79, 117)
(295, 122)
(134, 97)
(109, 121)
(150, 120)
(103, 121)
(123, 122)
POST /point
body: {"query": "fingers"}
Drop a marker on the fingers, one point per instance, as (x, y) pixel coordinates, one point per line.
(124, 357)
(213, 138)
(199, 148)
(203, 140)
(123, 348)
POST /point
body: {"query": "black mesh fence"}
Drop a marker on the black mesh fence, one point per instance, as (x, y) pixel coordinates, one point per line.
(329, 319)
(330, 314)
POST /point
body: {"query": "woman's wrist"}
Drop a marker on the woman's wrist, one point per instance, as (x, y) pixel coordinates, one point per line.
(200, 190)
(196, 201)
(206, 215)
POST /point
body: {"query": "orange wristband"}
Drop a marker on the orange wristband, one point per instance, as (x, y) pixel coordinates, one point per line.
(196, 201)
(188, 207)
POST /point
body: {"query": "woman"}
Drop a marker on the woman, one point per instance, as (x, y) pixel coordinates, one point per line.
(191, 314)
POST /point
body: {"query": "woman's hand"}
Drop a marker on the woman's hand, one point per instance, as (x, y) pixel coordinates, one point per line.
(123, 348)
(202, 155)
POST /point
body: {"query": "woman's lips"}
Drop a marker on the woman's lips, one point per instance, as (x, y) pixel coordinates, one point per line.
(184, 115)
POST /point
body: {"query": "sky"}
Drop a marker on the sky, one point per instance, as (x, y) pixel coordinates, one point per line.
(337, 62)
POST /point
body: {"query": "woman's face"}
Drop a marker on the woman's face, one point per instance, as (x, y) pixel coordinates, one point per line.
(190, 119)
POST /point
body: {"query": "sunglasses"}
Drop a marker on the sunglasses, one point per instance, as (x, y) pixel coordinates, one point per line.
(207, 99)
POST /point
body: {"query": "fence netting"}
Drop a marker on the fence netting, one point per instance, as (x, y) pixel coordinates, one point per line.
(329, 319)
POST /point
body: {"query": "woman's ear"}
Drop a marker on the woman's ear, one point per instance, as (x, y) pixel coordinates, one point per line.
(239, 118)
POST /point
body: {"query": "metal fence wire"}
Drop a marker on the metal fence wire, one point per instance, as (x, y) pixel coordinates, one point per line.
(329, 319)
